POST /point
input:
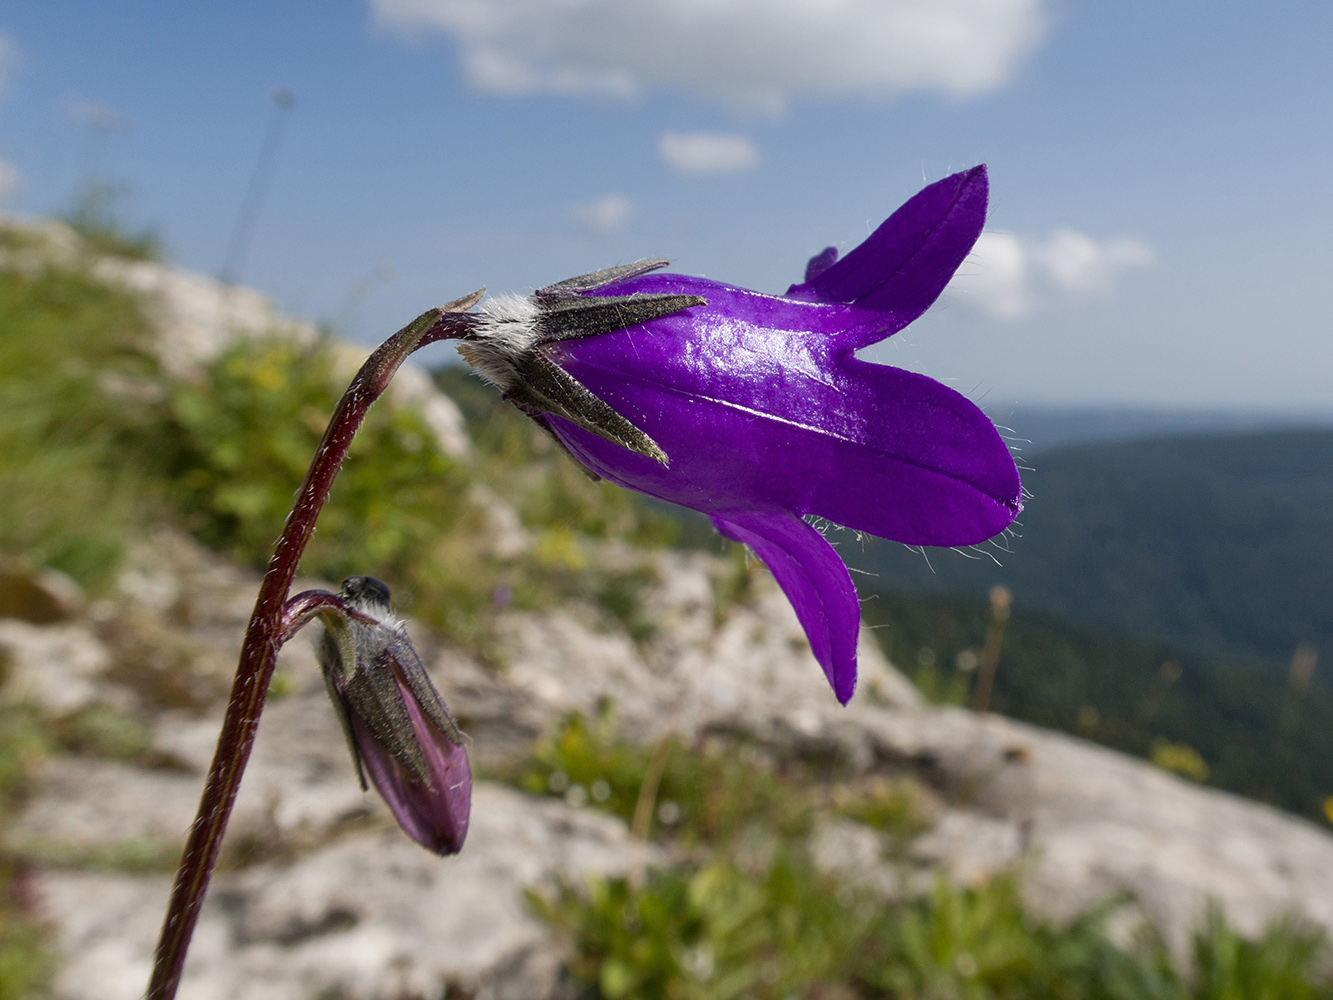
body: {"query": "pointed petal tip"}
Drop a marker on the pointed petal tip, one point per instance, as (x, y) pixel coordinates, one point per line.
(820, 263)
(973, 176)
(978, 178)
(902, 267)
(816, 582)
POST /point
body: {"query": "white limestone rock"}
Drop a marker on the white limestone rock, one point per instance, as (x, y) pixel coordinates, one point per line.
(372, 916)
(56, 667)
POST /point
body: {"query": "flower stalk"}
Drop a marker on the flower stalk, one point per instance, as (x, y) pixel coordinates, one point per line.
(273, 621)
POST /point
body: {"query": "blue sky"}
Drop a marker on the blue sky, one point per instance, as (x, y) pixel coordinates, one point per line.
(1162, 188)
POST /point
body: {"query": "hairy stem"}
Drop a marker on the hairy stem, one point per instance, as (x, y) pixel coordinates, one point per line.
(270, 626)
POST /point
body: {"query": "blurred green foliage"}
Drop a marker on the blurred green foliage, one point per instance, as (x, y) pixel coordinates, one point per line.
(720, 932)
(236, 445)
(1287, 962)
(741, 911)
(715, 932)
(76, 385)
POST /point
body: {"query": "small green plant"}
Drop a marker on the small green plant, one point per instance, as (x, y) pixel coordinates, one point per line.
(894, 807)
(714, 795)
(715, 933)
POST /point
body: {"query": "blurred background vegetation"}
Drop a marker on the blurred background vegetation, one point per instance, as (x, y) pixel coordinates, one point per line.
(98, 446)
(745, 913)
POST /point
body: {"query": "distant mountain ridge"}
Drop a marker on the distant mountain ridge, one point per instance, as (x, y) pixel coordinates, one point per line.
(1036, 429)
(1219, 542)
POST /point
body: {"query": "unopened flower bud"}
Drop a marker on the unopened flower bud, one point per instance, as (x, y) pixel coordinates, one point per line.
(398, 729)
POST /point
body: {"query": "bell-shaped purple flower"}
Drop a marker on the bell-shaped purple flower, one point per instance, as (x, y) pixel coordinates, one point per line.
(754, 409)
(397, 726)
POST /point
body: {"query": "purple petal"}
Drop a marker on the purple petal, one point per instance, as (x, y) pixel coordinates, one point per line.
(814, 580)
(905, 264)
(755, 418)
(436, 817)
(820, 263)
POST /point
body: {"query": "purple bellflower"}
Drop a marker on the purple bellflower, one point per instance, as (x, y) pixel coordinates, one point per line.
(754, 409)
(397, 726)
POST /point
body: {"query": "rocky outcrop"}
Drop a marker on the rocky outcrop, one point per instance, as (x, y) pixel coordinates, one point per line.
(368, 914)
(322, 894)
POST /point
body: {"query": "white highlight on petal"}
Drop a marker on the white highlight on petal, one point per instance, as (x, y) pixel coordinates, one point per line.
(604, 215)
(756, 54)
(1011, 277)
(702, 154)
(506, 331)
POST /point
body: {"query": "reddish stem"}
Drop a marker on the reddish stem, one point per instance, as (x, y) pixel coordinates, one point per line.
(268, 630)
(300, 611)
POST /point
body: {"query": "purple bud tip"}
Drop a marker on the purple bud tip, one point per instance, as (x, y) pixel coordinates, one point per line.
(435, 815)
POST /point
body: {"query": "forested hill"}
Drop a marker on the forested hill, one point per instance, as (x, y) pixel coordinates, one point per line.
(1043, 428)
(1220, 542)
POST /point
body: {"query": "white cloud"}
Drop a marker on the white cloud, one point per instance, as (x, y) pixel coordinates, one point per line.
(604, 215)
(1011, 277)
(756, 54)
(702, 154)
